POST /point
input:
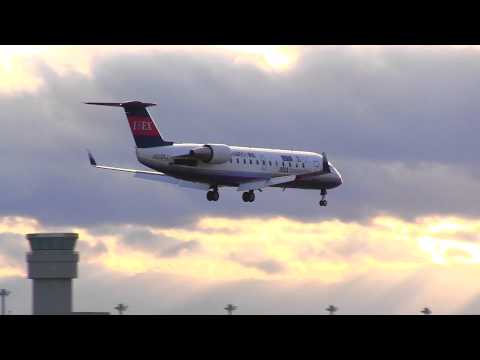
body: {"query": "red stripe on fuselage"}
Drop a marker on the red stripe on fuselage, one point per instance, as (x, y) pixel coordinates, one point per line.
(143, 126)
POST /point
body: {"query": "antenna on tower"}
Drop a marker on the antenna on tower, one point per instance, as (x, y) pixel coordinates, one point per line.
(230, 308)
(121, 308)
(3, 294)
(331, 309)
(426, 311)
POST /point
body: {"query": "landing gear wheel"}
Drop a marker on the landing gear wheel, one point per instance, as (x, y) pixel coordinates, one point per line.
(213, 195)
(248, 196)
(323, 202)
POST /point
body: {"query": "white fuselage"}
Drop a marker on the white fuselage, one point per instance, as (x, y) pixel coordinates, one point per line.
(246, 164)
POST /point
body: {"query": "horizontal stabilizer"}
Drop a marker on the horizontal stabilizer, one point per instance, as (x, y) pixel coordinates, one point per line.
(122, 104)
(257, 185)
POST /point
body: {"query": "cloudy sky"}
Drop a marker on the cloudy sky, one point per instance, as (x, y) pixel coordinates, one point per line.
(399, 122)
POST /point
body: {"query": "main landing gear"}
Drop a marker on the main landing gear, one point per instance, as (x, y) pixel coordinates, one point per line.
(213, 194)
(248, 196)
(323, 202)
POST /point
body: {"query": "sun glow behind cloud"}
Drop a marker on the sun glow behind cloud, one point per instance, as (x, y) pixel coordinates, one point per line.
(18, 63)
(16, 73)
(269, 57)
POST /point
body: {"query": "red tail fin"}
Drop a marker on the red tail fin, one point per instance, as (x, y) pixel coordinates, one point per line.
(144, 129)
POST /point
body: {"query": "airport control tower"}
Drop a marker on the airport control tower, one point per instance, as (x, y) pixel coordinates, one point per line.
(52, 264)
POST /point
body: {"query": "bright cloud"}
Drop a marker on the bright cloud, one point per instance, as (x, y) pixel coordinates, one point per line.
(330, 251)
(387, 251)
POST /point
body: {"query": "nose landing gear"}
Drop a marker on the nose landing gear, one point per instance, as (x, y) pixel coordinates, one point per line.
(248, 196)
(323, 202)
(213, 194)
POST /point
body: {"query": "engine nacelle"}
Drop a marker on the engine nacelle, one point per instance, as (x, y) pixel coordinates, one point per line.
(212, 154)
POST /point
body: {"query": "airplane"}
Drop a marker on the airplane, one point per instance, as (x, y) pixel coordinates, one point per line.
(209, 167)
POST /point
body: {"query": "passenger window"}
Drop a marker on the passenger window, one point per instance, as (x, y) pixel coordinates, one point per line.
(269, 163)
(296, 165)
(238, 161)
(250, 161)
(244, 161)
(303, 165)
(257, 162)
(289, 164)
(231, 160)
(263, 162)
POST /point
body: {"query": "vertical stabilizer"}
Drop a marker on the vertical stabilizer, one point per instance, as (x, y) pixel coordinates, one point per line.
(143, 127)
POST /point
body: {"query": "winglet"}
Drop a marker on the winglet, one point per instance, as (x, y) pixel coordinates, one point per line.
(91, 158)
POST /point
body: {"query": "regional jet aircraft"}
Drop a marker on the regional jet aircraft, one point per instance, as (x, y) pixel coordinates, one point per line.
(209, 167)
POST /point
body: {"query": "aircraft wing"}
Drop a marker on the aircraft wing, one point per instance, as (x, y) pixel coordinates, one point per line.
(256, 185)
(152, 175)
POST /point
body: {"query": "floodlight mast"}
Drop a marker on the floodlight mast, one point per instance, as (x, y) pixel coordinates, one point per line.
(331, 309)
(230, 308)
(426, 311)
(3, 294)
(121, 308)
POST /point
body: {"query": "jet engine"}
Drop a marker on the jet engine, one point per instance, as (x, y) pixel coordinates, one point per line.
(212, 154)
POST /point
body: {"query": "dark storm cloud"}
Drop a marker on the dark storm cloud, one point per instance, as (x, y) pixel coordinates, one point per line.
(399, 123)
(408, 190)
(162, 246)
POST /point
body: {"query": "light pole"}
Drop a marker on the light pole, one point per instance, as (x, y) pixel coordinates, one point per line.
(426, 311)
(230, 309)
(331, 309)
(121, 308)
(4, 293)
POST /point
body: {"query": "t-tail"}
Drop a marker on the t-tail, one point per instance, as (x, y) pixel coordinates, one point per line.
(143, 127)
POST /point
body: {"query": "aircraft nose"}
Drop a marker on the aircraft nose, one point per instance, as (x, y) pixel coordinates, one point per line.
(339, 180)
